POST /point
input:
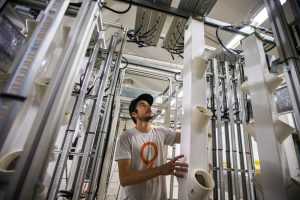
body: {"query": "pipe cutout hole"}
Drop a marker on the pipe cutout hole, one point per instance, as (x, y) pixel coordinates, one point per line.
(201, 180)
(12, 165)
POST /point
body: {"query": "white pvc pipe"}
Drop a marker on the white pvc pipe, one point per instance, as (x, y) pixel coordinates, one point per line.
(153, 62)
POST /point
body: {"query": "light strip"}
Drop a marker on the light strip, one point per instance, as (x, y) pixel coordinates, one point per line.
(209, 47)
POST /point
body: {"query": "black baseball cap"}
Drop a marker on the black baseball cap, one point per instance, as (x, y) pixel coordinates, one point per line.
(146, 97)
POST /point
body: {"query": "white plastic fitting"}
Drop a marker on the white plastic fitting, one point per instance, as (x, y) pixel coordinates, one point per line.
(53, 156)
(8, 161)
(199, 67)
(41, 84)
(272, 82)
(282, 130)
(200, 117)
(200, 185)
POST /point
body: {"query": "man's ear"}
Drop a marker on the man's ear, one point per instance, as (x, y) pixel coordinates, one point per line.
(134, 114)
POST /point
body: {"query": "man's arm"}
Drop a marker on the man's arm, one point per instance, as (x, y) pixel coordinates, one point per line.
(129, 176)
(177, 138)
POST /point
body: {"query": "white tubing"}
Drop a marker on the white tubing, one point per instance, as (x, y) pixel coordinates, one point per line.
(154, 62)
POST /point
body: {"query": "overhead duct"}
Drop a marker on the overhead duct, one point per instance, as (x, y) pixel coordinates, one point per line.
(154, 64)
(149, 23)
(175, 36)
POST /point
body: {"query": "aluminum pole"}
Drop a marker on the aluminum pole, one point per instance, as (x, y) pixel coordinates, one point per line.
(229, 85)
(174, 145)
(62, 159)
(219, 129)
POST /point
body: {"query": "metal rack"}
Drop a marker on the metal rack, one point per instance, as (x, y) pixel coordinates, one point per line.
(93, 155)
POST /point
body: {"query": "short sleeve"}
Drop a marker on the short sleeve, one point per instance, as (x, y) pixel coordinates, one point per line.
(169, 135)
(123, 148)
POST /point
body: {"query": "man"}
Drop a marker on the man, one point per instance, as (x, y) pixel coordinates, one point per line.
(139, 154)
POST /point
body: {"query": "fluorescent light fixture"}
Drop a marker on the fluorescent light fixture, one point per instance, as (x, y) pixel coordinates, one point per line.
(256, 21)
(173, 102)
(180, 94)
(44, 62)
(209, 47)
(282, 1)
(234, 42)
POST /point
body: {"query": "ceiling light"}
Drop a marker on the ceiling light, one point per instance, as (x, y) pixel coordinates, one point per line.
(209, 48)
(234, 42)
(180, 94)
(173, 102)
(257, 20)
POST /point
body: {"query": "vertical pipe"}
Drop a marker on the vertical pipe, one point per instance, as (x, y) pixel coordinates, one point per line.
(219, 129)
(229, 81)
(174, 145)
(240, 106)
(213, 131)
(226, 130)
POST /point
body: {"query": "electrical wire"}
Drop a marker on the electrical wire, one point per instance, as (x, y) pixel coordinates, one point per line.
(176, 77)
(142, 39)
(126, 63)
(178, 48)
(231, 51)
(113, 10)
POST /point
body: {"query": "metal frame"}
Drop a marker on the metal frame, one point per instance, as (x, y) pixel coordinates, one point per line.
(225, 123)
(107, 131)
(287, 52)
(32, 164)
(93, 124)
(219, 134)
(229, 94)
(174, 146)
(26, 67)
(71, 130)
(213, 129)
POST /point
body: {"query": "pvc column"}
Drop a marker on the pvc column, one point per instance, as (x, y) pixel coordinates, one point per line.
(269, 149)
(193, 143)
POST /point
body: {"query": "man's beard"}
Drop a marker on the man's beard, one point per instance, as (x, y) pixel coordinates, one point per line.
(145, 118)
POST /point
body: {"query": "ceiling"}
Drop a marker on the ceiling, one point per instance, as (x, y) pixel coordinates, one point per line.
(230, 11)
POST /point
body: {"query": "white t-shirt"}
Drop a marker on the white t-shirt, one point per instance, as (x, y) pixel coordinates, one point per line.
(145, 151)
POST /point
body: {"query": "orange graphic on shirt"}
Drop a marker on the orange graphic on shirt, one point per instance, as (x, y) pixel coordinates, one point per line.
(150, 159)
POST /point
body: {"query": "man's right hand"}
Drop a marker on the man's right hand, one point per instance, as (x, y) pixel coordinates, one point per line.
(174, 167)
